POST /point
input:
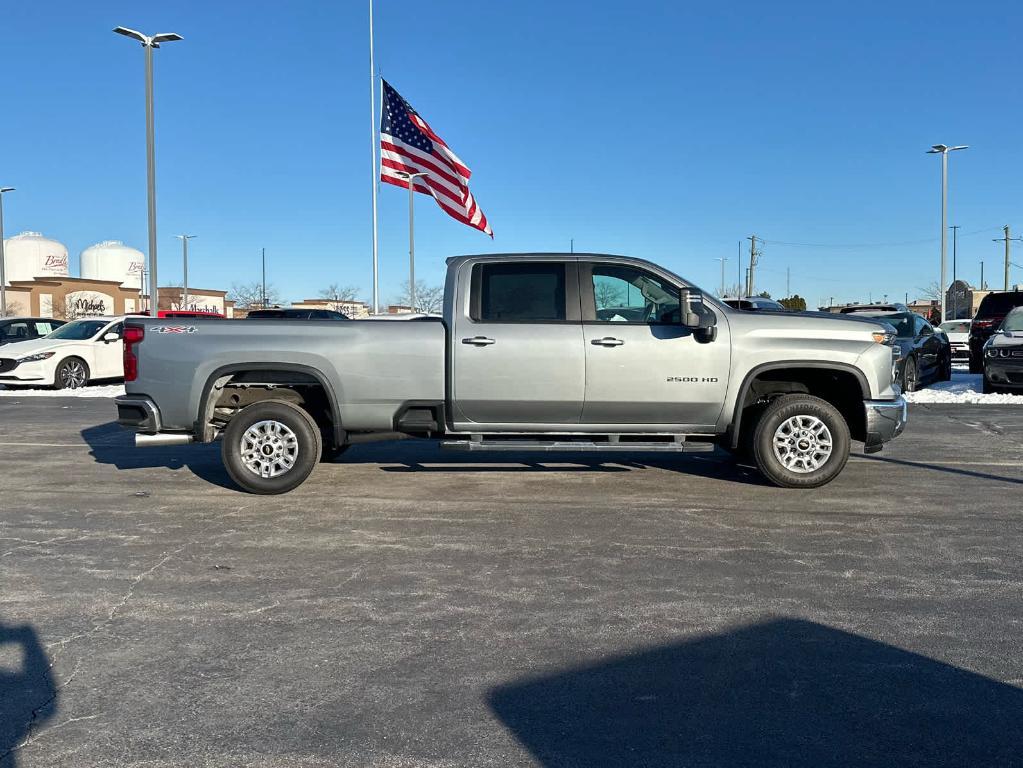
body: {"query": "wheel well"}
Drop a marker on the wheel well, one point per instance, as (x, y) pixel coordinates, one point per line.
(843, 389)
(229, 393)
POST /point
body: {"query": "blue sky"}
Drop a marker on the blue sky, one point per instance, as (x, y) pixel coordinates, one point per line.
(664, 130)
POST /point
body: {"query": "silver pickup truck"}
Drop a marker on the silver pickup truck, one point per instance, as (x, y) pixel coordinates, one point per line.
(547, 352)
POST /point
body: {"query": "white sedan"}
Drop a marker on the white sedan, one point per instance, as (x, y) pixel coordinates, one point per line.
(70, 357)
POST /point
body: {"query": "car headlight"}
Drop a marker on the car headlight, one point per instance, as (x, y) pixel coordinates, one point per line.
(992, 352)
(38, 356)
(884, 337)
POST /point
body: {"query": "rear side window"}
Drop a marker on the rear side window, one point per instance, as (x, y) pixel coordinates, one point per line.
(521, 293)
(999, 303)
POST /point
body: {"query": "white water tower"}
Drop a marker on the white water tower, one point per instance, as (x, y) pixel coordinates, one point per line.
(29, 255)
(113, 260)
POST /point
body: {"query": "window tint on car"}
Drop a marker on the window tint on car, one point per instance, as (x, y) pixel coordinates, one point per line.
(999, 303)
(630, 295)
(522, 292)
(16, 331)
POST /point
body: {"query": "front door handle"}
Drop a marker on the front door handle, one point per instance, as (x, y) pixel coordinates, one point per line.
(478, 341)
(608, 341)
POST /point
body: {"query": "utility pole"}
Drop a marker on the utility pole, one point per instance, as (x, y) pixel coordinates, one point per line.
(571, 245)
(754, 254)
(943, 150)
(263, 296)
(788, 293)
(1006, 239)
(722, 259)
(184, 284)
(955, 293)
(983, 287)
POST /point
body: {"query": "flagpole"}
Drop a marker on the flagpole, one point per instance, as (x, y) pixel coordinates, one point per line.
(373, 162)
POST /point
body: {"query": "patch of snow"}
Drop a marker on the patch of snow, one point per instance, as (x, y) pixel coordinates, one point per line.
(965, 388)
(96, 390)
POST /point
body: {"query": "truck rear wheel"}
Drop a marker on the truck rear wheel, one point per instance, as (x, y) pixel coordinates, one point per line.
(271, 447)
(800, 441)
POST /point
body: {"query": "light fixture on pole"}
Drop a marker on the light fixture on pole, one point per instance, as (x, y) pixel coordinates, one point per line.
(411, 177)
(943, 150)
(184, 282)
(149, 42)
(3, 266)
(722, 259)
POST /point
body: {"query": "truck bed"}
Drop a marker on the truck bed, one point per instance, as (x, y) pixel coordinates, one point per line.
(371, 367)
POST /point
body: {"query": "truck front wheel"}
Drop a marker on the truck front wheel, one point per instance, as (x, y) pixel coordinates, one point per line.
(800, 441)
(271, 447)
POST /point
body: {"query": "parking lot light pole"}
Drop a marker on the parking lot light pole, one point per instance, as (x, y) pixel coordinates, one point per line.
(3, 268)
(943, 150)
(184, 255)
(412, 236)
(149, 42)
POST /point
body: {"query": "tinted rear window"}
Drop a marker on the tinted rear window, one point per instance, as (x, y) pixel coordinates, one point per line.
(522, 292)
(999, 303)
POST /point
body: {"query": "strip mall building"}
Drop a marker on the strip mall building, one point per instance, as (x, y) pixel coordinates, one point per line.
(69, 298)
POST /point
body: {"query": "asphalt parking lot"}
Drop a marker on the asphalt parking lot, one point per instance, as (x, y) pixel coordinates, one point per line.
(408, 607)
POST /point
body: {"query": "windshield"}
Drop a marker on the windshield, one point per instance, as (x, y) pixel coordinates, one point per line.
(79, 330)
(956, 326)
(1014, 320)
(902, 322)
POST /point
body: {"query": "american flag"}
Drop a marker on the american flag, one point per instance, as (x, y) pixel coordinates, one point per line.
(409, 145)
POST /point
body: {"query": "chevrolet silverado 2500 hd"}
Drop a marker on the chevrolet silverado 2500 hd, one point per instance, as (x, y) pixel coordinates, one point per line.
(579, 352)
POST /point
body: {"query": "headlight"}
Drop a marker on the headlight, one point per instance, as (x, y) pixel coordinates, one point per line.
(992, 352)
(884, 337)
(39, 356)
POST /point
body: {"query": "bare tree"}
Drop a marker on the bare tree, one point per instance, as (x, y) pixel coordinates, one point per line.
(429, 299)
(932, 291)
(607, 295)
(250, 295)
(13, 309)
(339, 296)
(735, 290)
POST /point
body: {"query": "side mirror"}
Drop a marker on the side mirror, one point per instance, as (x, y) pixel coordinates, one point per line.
(694, 313)
(111, 336)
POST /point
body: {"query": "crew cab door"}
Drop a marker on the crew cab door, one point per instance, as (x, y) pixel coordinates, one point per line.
(642, 365)
(517, 346)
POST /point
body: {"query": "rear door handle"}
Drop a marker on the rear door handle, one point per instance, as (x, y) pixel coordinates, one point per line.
(478, 341)
(607, 341)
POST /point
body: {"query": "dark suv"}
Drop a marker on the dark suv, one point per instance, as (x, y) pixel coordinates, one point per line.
(295, 314)
(992, 310)
(14, 329)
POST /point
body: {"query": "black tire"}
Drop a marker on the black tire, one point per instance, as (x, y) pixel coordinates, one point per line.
(946, 370)
(778, 413)
(71, 373)
(910, 376)
(303, 452)
(329, 454)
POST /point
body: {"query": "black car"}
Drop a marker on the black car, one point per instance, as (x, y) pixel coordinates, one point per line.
(925, 355)
(894, 307)
(1003, 355)
(14, 329)
(992, 310)
(295, 314)
(754, 304)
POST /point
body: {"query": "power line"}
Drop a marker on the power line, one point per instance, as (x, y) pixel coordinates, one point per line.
(892, 244)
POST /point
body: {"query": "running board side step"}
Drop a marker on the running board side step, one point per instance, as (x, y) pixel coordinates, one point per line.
(573, 446)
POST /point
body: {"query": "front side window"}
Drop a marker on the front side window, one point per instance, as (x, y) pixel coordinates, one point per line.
(522, 292)
(624, 294)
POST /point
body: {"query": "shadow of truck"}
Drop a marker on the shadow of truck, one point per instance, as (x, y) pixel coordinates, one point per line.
(780, 693)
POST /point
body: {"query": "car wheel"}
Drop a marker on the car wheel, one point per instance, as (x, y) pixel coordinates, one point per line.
(72, 373)
(910, 376)
(271, 447)
(800, 441)
(946, 370)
